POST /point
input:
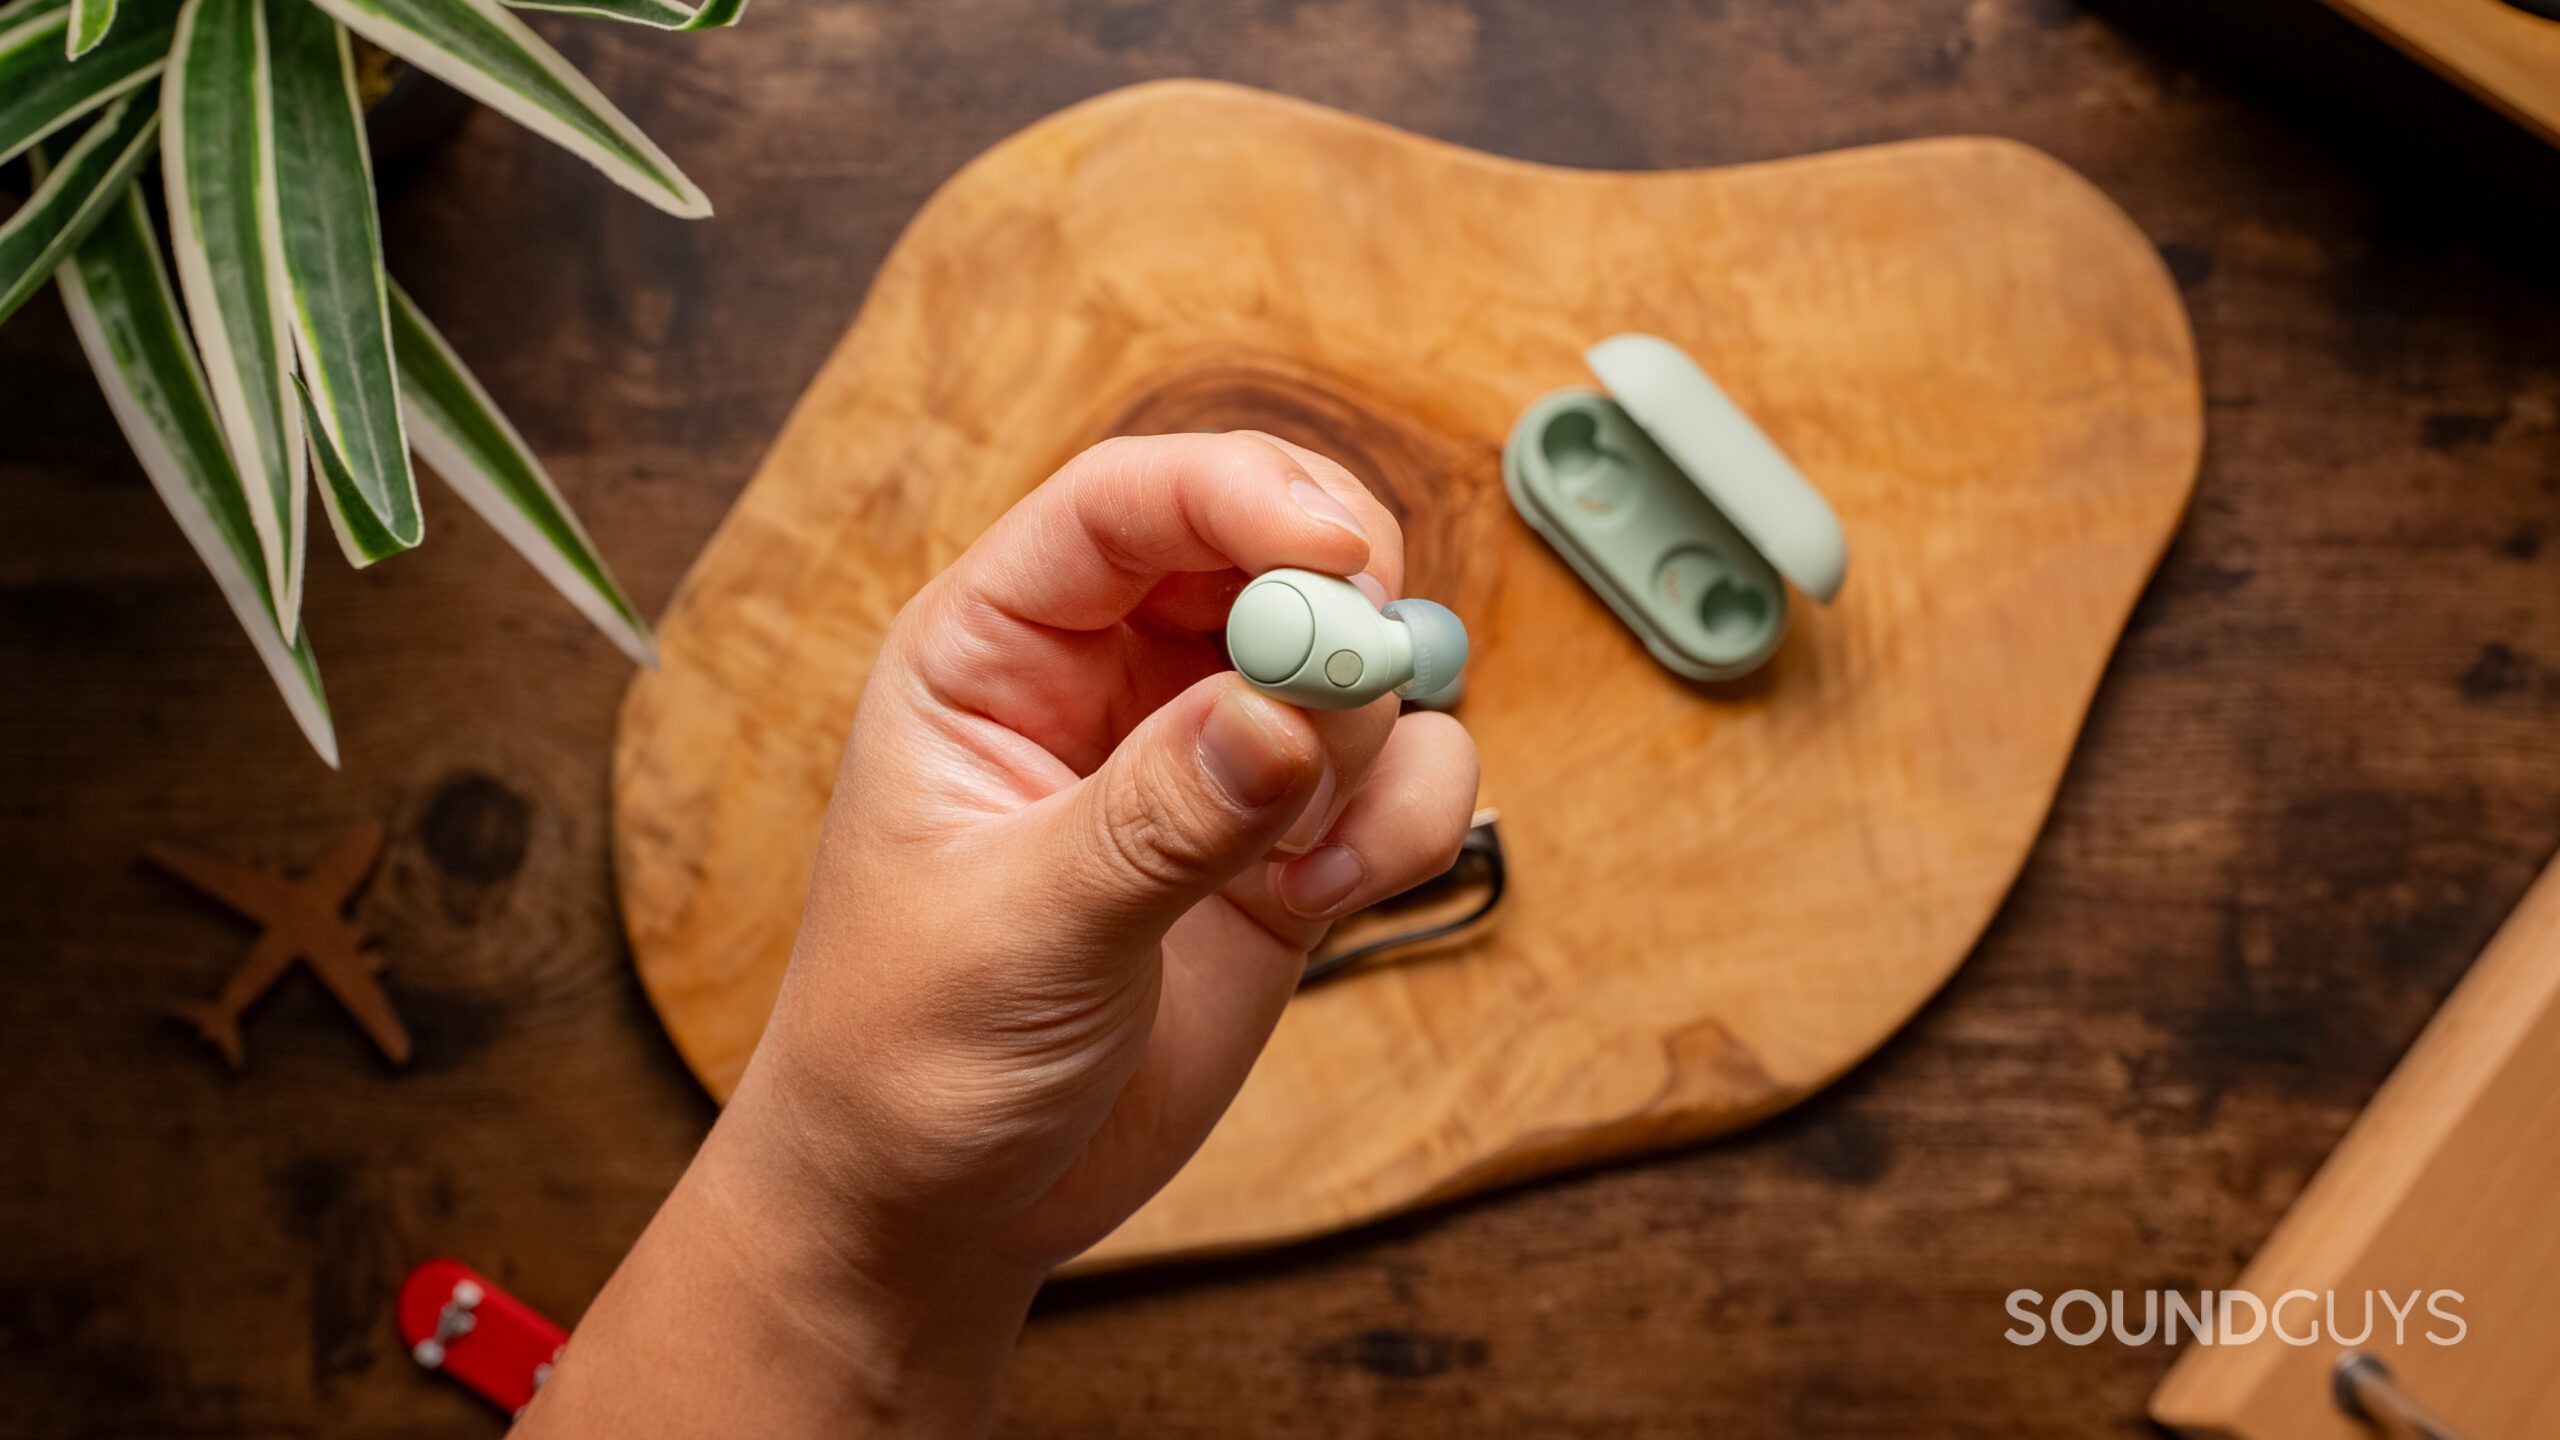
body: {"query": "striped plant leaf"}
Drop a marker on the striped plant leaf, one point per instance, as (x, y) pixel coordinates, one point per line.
(89, 22)
(478, 48)
(42, 89)
(221, 231)
(360, 536)
(127, 318)
(321, 215)
(79, 189)
(460, 433)
(656, 14)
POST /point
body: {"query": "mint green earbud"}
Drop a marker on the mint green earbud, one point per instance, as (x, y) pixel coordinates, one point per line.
(1315, 640)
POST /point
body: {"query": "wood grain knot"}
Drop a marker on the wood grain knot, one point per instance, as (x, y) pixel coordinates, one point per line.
(1405, 1354)
(475, 829)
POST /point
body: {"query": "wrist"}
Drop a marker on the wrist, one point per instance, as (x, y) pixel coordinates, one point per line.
(915, 1326)
(763, 1302)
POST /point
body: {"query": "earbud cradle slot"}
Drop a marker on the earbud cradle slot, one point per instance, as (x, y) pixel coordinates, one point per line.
(1590, 480)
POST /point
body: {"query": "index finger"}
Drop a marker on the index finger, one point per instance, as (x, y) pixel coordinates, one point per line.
(1084, 549)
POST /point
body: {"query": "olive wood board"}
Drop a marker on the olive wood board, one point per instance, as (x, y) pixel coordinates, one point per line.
(1722, 897)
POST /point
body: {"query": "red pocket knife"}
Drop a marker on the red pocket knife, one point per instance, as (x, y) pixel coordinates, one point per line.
(454, 1320)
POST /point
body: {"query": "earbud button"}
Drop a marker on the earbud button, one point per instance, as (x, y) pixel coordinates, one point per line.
(1270, 632)
(1343, 667)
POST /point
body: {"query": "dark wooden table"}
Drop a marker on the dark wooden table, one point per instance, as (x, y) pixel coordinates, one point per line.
(2325, 764)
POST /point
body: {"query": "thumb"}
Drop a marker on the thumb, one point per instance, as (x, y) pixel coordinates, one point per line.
(1198, 791)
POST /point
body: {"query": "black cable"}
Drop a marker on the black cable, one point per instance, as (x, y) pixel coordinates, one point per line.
(1480, 852)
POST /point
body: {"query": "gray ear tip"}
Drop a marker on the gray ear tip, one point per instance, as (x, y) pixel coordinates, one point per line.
(1439, 643)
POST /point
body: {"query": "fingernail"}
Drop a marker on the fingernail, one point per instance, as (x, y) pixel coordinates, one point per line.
(1242, 749)
(1312, 498)
(1312, 885)
(1311, 822)
(1367, 584)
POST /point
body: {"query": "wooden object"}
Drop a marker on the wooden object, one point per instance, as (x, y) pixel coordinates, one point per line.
(300, 918)
(2450, 1181)
(1721, 898)
(2498, 51)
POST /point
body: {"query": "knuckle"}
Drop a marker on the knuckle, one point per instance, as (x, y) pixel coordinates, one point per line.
(1238, 458)
(1149, 832)
(1432, 844)
(1249, 443)
(1103, 453)
(1453, 839)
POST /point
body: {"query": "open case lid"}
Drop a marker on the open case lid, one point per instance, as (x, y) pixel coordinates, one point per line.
(1746, 476)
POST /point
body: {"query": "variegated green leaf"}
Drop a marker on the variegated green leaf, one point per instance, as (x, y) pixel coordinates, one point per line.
(478, 48)
(127, 318)
(656, 14)
(360, 536)
(322, 215)
(42, 89)
(89, 22)
(78, 190)
(460, 433)
(231, 268)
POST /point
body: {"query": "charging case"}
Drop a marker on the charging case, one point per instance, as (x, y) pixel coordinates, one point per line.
(1668, 502)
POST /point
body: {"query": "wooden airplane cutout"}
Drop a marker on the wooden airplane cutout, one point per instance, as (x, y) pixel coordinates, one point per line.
(305, 919)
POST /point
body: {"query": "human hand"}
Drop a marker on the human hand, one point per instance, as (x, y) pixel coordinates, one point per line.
(1068, 881)
(1042, 945)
